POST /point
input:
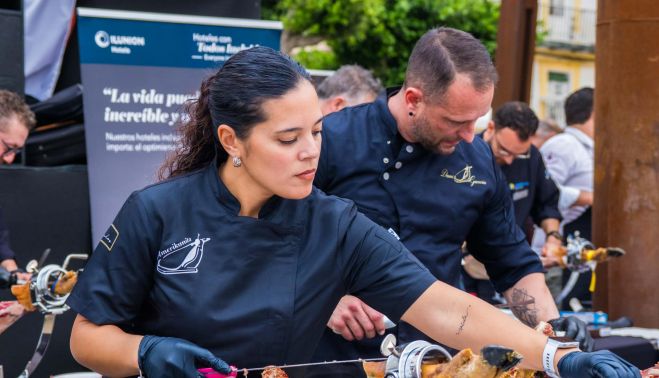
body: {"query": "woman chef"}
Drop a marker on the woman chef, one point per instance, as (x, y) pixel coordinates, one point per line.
(236, 255)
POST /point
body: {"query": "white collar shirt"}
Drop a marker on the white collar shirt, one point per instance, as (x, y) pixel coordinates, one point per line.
(569, 160)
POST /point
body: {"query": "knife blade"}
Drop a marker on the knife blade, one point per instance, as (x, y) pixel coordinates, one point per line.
(209, 372)
(316, 364)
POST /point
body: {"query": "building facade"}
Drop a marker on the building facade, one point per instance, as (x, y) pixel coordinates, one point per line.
(565, 54)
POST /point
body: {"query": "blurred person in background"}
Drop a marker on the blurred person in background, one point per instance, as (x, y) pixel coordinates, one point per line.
(16, 121)
(534, 193)
(569, 159)
(547, 128)
(350, 85)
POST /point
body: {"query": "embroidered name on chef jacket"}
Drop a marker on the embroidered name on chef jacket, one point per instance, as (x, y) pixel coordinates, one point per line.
(463, 176)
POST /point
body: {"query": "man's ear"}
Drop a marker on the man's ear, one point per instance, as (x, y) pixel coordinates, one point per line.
(489, 131)
(413, 98)
(337, 103)
(490, 126)
(228, 139)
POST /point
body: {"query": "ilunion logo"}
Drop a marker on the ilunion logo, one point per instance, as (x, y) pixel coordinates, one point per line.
(102, 39)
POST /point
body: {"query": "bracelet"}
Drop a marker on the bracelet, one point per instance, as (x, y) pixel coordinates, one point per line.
(555, 234)
(549, 353)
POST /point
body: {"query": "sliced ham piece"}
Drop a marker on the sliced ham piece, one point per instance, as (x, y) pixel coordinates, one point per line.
(273, 372)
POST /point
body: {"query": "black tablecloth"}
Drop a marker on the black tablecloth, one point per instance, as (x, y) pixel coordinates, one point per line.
(636, 350)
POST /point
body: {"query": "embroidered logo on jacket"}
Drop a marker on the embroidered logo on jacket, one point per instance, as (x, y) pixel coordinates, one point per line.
(182, 257)
(110, 237)
(463, 176)
(392, 232)
(520, 190)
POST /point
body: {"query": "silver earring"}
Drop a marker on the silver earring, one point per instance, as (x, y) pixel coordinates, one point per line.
(236, 161)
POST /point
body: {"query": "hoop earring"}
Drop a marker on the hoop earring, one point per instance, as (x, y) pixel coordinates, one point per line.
(236, 161)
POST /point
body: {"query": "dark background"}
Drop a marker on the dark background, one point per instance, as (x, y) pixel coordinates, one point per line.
(44, 208)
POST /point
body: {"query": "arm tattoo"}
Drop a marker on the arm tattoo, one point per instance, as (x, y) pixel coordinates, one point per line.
(464, 320)
(523, 307)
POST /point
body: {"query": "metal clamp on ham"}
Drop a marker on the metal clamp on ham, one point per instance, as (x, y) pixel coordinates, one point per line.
(579, 256)
(46, 291)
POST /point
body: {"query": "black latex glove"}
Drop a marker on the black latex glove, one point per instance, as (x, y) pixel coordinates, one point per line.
(576, 330)
(600, 364)
(171, 357)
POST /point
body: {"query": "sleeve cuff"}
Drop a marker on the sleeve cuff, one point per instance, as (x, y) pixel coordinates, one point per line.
(568, 196)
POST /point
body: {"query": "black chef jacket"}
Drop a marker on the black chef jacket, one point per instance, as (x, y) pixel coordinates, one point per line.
(432, 202)
(179, 261)
(533, 191)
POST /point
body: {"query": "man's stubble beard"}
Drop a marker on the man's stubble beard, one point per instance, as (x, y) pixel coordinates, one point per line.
(422, 133)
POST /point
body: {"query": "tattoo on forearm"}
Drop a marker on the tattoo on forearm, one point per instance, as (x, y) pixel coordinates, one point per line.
(464, 320)
(523, 307)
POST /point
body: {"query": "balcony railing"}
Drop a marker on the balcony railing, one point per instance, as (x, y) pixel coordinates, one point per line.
(567, 27)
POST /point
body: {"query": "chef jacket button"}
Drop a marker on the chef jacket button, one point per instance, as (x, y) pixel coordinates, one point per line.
(388, 142)
(385, 160)
(409, 148)
(398, 165)
(385, 175)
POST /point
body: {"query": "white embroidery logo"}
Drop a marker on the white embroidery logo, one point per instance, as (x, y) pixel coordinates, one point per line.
(464, 176)
(391, 231)
(182, 257)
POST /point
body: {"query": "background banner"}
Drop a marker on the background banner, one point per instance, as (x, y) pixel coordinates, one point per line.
(138, 69)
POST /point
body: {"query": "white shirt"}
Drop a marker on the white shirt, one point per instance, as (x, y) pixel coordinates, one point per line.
(47, 25)
(569, 160)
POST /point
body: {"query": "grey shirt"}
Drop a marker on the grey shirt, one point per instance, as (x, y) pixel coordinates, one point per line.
(569, 159)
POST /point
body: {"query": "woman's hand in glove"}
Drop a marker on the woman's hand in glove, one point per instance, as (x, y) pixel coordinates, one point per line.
(171, 357)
